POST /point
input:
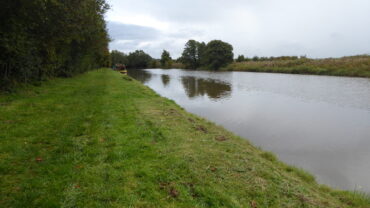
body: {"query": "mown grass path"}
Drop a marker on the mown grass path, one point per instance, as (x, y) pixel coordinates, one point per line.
(104, 140)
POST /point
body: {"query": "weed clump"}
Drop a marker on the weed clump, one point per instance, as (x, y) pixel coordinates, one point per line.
(269, 156)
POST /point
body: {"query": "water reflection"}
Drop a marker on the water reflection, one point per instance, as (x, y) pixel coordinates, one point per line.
(195, 87)
(165, 79)
(140, 75)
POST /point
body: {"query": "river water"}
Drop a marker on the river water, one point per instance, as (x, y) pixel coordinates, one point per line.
(318, 123)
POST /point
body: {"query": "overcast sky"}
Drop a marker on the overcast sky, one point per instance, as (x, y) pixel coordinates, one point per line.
(316, 28)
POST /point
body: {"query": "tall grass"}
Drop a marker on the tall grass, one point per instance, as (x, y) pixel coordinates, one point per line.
(354, 66)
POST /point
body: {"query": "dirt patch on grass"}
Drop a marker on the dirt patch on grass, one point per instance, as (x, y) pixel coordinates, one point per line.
(9, 122)
(171, 112)
(305, 200)
(221, 138)
(201, 128)
(253, 204)
(173, 192)
(170, 188)
(192, 190)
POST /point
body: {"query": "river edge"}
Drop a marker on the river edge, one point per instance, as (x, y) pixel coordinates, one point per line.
(354, 66)
(126, 138)
(295, 71)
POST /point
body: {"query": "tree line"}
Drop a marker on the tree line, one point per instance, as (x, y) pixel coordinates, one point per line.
(196, 55)
(43, 39)
(242, 58)
(134, 60)
(140, 60)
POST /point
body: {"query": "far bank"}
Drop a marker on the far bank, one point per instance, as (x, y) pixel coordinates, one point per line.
(354, 66)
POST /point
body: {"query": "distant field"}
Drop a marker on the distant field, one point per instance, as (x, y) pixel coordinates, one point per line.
(354, 66)
(102, 139)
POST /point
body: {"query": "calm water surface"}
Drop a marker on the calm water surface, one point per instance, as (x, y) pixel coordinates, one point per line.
(319, 123)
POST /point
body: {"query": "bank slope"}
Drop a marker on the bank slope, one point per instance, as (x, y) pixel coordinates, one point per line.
(104, 140)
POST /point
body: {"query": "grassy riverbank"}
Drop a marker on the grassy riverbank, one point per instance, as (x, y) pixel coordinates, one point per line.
(354, 66)
(100, 140)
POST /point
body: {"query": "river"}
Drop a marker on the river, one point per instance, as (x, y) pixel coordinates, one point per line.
(318, 123)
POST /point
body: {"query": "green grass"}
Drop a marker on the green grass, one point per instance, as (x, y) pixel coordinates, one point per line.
(100, 140)
(354, 66)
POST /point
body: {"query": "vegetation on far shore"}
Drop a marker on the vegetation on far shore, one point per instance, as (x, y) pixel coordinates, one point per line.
(218, 55)
(101, 139)
(212, 55)
(354, 66)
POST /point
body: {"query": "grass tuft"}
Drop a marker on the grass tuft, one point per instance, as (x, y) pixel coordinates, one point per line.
(269, 156)
(304, 175)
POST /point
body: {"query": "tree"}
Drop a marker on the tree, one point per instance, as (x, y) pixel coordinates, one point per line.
(118, 57)
(166, 59)
(138, 60)
(240, 58)
(214, 55)
(190, 55)
(201, 51)
(218, 54)
(154, 63)
(193, 54)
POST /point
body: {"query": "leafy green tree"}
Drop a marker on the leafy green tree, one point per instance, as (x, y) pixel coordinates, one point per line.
(138, 60)
(255, 58)
(190, 55)
(201, 53)
(166, 60)
(154, 63)
(218, 54)
(118, 57)
(193, 54)
(240, 58)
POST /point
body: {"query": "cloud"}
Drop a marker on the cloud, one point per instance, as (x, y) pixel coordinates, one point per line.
(129, 37)
(316, 28)
(120, 31)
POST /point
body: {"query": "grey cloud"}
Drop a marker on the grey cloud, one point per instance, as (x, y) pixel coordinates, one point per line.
(175, 11)
(120, 31)
(128, 37)
(185, 33)
(124, 46)
(154, 47)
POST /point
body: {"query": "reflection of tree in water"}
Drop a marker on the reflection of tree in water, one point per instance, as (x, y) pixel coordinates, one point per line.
(199, 87)
(141, 75)
(165, 79)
